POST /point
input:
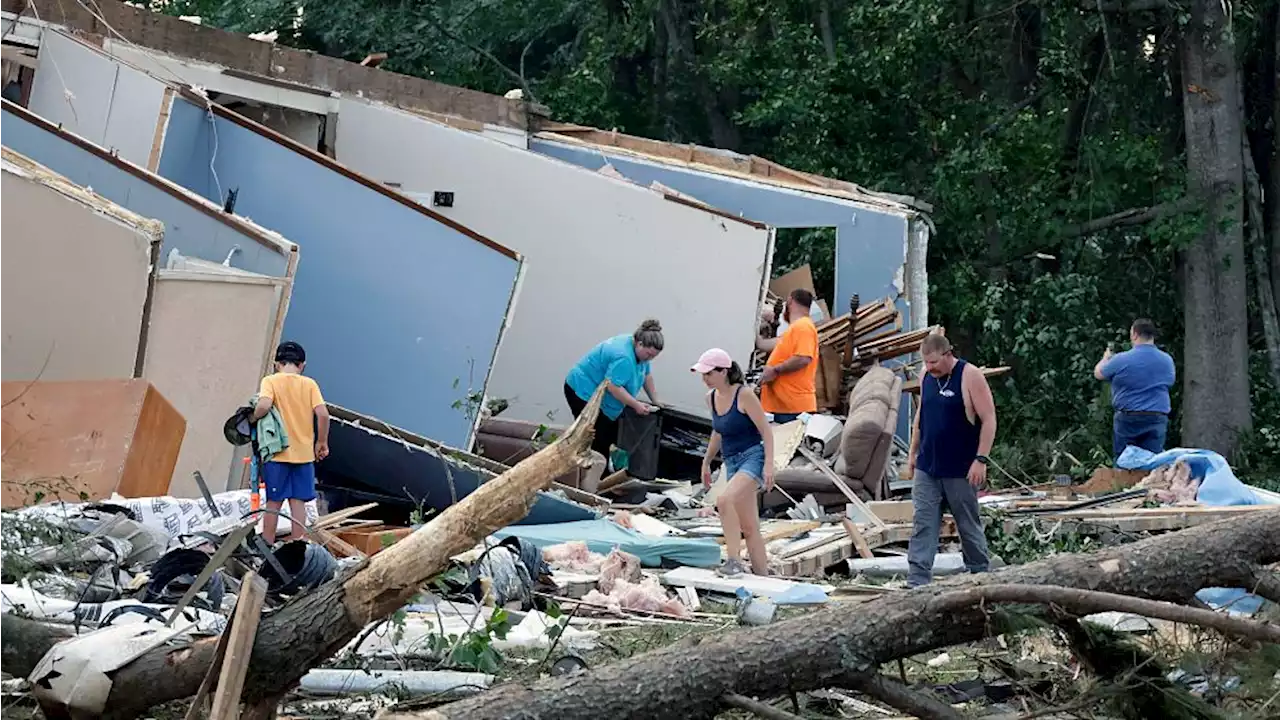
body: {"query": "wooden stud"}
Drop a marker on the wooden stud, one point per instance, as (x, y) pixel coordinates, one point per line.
(336, 544)
(235, 664)
(859, 542)
(162, 125)
(220, 651)
(334, 518)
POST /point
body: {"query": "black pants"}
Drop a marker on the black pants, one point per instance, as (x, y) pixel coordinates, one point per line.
(606, 429)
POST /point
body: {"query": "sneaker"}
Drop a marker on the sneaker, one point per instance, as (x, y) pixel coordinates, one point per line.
(732, 567)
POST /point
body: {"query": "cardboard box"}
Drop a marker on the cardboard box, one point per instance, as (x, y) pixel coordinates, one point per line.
(372, 540)
(83, 440)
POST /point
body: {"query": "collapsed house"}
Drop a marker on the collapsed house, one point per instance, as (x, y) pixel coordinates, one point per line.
(194, 196)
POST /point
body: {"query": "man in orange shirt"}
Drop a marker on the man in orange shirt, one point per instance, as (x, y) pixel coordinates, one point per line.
(787, 385)
(290, 475)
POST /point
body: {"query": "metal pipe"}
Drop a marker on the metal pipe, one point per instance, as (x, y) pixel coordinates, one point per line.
(413, 682)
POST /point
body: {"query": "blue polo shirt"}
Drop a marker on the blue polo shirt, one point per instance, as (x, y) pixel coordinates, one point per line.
(614, 359)
(1140, 379)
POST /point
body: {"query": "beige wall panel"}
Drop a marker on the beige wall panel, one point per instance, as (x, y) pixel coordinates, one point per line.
(74, 278)
(208, 344)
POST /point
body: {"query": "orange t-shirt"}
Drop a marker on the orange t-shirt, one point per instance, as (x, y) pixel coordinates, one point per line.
(793, 392)
(296, 397)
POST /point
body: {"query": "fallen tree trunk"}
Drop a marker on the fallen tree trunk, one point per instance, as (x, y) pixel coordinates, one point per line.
(312, 627)
(819, 649)
(26, 642)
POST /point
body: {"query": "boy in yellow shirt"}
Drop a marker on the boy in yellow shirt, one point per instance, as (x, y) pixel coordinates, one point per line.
(291, 474)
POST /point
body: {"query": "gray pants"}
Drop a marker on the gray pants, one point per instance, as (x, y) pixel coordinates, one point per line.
(927, 495)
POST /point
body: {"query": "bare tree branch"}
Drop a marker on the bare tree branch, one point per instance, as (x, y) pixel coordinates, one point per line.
(900, 697)
(1132, 216)
(1266, 584)
(1012, 112)
(486, 54)
(1088, 601)
(1130, 6)
(756, 707)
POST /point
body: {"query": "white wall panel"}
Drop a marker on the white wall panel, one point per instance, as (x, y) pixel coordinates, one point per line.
(97, 98)
(602, 254)
(188, 71)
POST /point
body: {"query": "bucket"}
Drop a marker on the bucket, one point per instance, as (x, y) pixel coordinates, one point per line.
(752, 610)
(307, 564)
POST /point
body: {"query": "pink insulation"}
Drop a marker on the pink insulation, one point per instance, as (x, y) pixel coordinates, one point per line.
(618, 566)
(647, 595)
(573, 557)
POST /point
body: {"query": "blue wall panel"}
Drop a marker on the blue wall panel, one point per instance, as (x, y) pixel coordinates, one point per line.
(399, 313)
(187, 228)
(870, 245)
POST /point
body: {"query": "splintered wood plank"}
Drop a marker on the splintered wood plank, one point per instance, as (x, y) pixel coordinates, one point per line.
(771, 530)
(859, 542)
(803, 546)
(235, 664)
(836, 551)
(334, 518)
(336, 544)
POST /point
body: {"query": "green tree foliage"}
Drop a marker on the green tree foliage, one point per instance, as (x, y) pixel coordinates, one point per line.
(1020, 122)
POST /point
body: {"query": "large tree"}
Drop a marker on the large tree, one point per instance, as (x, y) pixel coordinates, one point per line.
(1216, 373)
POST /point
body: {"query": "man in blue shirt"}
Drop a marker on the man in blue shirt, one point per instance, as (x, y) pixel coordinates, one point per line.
(1140, 380)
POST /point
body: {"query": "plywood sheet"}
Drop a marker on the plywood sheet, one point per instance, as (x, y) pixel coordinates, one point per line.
(210, 338)
(75, 276)
(86, 439)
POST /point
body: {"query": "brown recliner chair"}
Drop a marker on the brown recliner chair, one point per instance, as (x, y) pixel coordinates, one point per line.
(865, 445)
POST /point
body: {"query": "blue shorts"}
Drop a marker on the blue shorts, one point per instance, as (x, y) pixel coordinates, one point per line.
(749, 462)
(784, 418)
(289, 481)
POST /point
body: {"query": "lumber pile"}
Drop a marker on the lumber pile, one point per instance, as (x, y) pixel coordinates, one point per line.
(862, 338)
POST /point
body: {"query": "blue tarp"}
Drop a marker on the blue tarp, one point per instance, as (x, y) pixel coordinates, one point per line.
(1218, 485)
(602, 536)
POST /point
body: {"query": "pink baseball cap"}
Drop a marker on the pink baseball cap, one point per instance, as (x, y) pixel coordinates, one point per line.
(713, 359)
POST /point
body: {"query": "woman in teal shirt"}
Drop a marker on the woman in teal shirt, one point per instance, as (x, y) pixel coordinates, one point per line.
(623, 361)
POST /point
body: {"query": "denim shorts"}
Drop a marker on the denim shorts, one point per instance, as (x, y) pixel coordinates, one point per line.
(749, 461)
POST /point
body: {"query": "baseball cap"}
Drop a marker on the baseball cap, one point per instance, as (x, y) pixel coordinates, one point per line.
(713, 359)
(290, 352)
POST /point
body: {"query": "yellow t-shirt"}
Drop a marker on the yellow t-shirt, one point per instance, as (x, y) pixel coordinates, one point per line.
(296, 397)
(793, 392)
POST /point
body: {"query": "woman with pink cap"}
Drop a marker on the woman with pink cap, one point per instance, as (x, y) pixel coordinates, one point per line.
(740, 432)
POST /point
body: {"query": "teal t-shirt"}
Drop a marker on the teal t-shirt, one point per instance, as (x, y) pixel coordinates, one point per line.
(614, 359)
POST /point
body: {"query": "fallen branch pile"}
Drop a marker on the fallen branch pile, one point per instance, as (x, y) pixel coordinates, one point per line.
(311, 628)
(833, 646)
